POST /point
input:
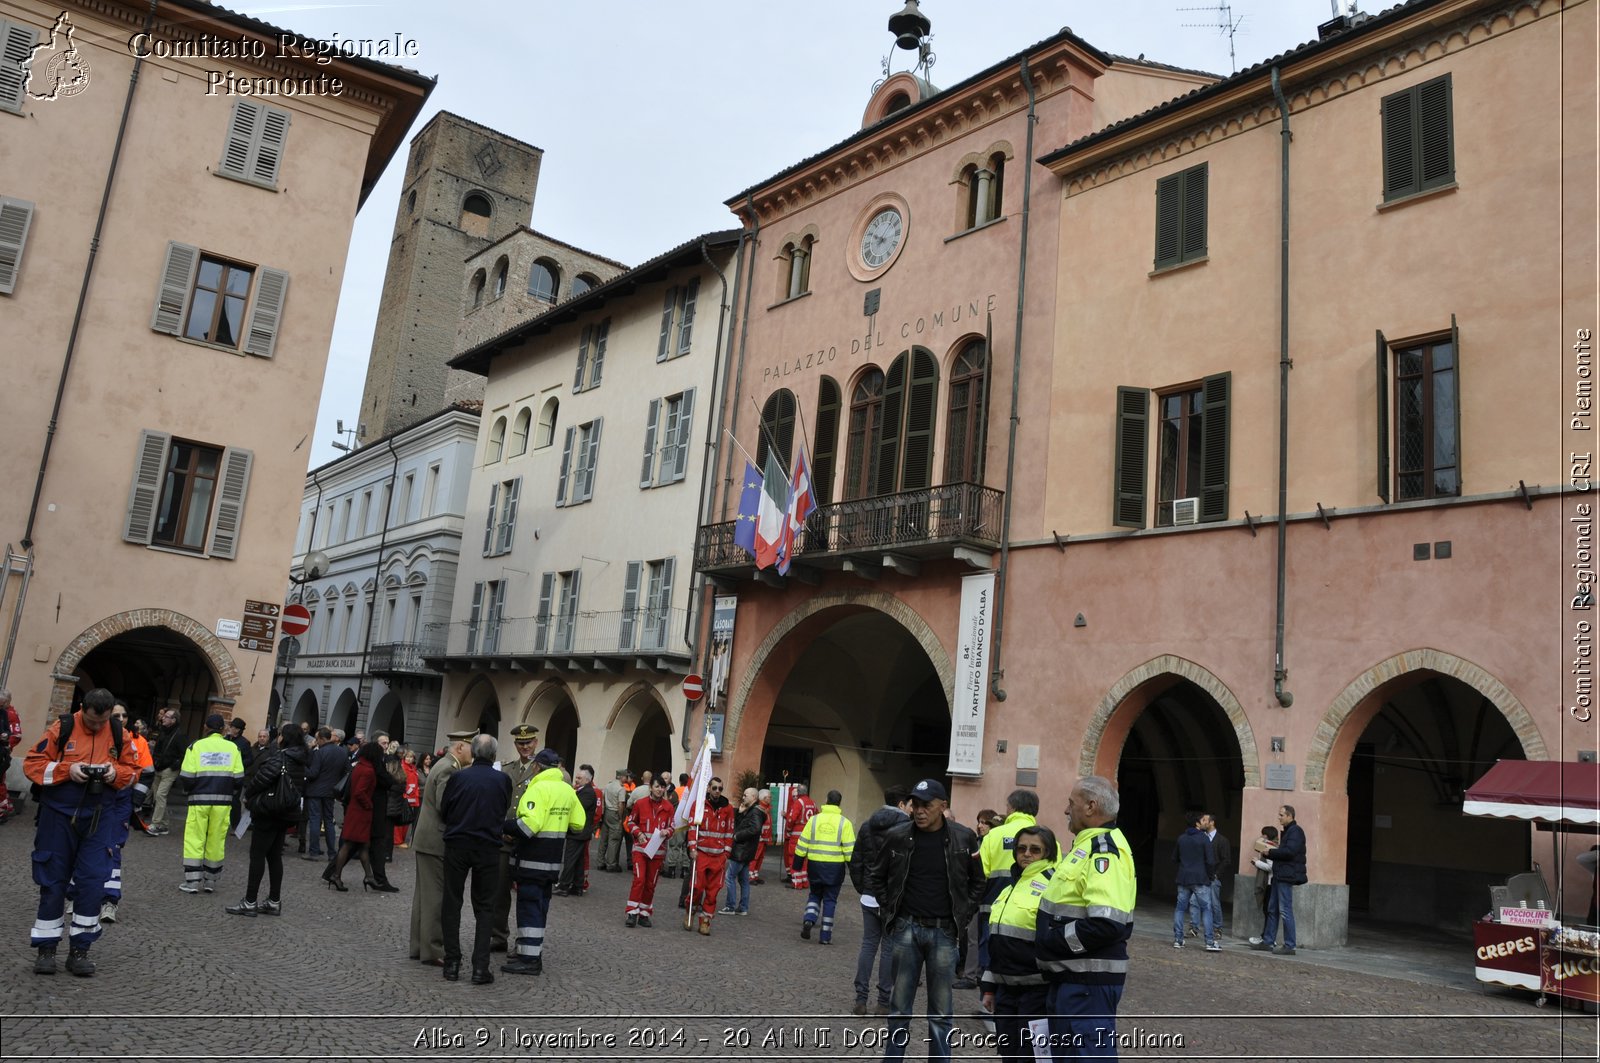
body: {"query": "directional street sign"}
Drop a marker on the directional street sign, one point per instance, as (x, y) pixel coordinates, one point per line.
(261, 608)
(259, 627)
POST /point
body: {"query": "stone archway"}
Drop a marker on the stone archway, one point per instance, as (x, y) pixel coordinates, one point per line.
(1146, 674)
(1326, 747)
(223, 668)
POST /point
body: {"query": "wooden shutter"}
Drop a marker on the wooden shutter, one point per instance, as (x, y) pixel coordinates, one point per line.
(1194, 212)
(686, 319)
(566, 465)
(541, 623)
(1169, 220)
(583, 357)
(232, 486)
(647, 472)
(668, 303)
(16, 217)
(680, 445)
(488, 524)
(268, 148)
(662, 606)
(177, 280)
(149, 470)
(630, 606)
(916, 467)
(474, 618)
(599, 363)
(508, 514)
(1435, 152)
(1383, 417)
(261, 337)
(244, 129)
(825, 445)
(1215, 391)
(1455, 383)
(1133, 440)
(886, 452)
(592, 458)
(16, 45)
(1399, 144)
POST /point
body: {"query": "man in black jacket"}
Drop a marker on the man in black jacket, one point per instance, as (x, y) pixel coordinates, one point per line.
(874, 943)
(927, 881)
(166, 749)
(747, 824)
(1225, 866)
(573, 864)
(473, 809)
(328, 765)
(1288, 871)
(1197, 865)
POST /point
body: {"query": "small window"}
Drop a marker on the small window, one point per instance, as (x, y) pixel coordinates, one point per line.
(546, 434)
(497, 442)
(1418, 139)
(983, 186)
(582, 283)
(1181, 217)
(478, 280)
(411, 201)
(797, 268)
(475, 211)
(202, 297)
(254, 148)
(187, 495)
(591, 356)
(677, 320)
(1191, 457)
(544, 280)
(1427, 417)
(668, 425)
(898, 102)
(580, 457)
(500, 277)
(216, 305)
(519, 432)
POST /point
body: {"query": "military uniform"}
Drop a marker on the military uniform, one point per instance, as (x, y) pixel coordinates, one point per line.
(427, 933)
(520, 772)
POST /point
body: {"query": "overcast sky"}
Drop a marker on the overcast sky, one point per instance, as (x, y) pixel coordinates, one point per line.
(650, 114)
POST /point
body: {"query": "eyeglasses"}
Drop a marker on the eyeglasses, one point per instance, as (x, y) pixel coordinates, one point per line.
(716, 789)
(1039, 849)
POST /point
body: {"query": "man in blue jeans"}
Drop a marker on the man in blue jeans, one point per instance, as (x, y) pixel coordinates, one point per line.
(1197, 865)
(1288, 859)
(874, 944)
(327, 766)
(927, 882)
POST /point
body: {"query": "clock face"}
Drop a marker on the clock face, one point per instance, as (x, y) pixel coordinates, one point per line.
(881, 237)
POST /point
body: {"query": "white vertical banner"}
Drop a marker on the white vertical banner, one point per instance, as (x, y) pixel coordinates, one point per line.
(971, 695)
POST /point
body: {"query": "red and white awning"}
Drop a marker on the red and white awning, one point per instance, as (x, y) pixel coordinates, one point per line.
(1545, 791)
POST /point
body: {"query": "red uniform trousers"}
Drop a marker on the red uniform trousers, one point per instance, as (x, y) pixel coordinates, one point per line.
(800, 880)
(642, 897)
(709, 874)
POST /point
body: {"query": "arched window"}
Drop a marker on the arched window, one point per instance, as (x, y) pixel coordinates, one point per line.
(582, 283)
(547, 423)
(866, 423)
(544, 279)
(519, 432)
(500, 269)
(411, 201)
(892, 418)
(898, 102)
(997, 186)
(825, 447)
(497, 441)
(475, 211)
(985, 190)
(968, 411)
(478, 279)
(777, 429)
(797, 267)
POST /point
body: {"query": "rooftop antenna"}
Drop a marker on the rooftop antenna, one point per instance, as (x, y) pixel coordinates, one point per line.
(913, 32)
(1227, 24)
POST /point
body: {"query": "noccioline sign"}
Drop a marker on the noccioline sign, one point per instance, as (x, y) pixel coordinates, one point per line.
(970, 698)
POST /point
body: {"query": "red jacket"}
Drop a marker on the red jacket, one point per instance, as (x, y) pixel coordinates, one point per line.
(713, 835)
(799, 813)
(649, 815)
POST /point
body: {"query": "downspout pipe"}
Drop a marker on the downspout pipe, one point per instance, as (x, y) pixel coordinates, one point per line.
(1279, 672)
(997, 672)
(377, 577)
(83, 288)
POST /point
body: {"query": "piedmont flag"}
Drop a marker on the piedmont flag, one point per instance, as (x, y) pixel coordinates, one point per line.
(771, 518)
(801, 502)
(744, 534)
(689, 806)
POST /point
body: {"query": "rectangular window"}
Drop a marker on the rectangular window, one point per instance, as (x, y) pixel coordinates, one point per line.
(430, 490)
(669, 423)
(579, 459)
(254, 146)
(363, 515)
(343, 535)
(567, 610)
(16, 217)
(686, 301)
(1418, 139)
(204, 297)
(1181, 217)
(383, 507)
(1178, 451)
(494, 608)
(1427, 421)
(506, 527)
(489, 520)
(402, 513)
(1192, 456)
(656, 626)
(216, 305)
(187, 495)
(349, 627)
(591, 356)
(16, 47)
(327, 526)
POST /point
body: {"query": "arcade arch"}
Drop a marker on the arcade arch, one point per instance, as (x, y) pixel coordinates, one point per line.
(154, 658)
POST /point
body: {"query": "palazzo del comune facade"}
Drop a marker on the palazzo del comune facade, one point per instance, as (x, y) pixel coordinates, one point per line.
(1046, 328)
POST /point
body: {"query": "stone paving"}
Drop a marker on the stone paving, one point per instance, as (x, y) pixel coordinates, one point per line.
(329, 980)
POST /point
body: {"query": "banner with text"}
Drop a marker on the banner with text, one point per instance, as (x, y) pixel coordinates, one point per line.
(967, 704)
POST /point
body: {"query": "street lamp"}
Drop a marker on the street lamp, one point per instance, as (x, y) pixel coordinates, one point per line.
(316, 566)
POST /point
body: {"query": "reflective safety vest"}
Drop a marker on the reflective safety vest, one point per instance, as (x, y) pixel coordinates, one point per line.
(828, 838)
(212, 770)
(1086, 913)
(1012, 920)
(547, 812)
(995, 852)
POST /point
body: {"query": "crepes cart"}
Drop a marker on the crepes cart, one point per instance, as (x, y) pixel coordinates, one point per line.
(1522, 942)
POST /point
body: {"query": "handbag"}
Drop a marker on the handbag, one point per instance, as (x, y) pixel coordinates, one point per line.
(281, 800)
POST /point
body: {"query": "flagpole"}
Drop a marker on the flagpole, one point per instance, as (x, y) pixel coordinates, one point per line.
(735, 442)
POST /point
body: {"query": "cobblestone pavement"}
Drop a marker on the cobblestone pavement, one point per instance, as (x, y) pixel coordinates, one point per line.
(330, 980)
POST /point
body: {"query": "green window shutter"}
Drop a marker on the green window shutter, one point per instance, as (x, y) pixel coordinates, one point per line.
(149, 471)
(583, 357)
(1383, 417)
(488, 524)
(244, 129)
(566, 465)
(1169, 221)
(669, 302)
(261, 338)
(231, 490)
(921, 410)
(1399, 144)
(647, 472)
(680, 446)
(1194, 212)
(1133, 440)
(686, 319)
(824, 448)
(1435, 134)
(1215, 392)
(886, 456)
(630, 606)
(268, 148)
(599, 363)
(177, 280)
(16, 217)
(1455, 384)
(16, 45)
(541, 623)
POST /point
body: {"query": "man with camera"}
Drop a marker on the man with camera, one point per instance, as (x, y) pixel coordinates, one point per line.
(82, 766)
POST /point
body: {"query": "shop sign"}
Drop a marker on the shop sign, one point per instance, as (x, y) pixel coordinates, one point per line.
(1527, 917)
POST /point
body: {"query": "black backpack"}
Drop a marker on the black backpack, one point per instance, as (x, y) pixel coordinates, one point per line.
(67, 722)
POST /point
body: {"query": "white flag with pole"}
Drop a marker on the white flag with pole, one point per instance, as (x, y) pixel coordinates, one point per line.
(693, 801)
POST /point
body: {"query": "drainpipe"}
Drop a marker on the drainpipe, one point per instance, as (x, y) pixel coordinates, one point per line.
(377, 576)
(1279, 672)
(707, 468)
(1016, 375)
(83, 288)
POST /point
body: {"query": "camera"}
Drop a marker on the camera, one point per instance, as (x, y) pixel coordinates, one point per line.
(96, 774)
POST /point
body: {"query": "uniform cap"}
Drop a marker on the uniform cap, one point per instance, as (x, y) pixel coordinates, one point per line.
(929, 790)
(461, 736)
(216, 722)
(548, 757)
(523, 732)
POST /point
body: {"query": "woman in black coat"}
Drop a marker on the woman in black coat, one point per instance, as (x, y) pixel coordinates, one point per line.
(288, 757)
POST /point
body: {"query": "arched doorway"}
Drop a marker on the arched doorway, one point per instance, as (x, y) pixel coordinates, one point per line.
(343, 715)
(389, 716)
(480, 709)
(151, 668)
(642, 719)
(562, 734)
(305, 709)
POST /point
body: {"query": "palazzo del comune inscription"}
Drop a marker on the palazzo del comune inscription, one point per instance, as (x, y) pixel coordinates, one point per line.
(962, 316)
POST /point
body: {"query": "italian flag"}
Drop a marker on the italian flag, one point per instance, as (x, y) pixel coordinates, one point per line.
(771, 518)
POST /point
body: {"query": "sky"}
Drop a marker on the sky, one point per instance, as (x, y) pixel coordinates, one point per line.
(650, 114)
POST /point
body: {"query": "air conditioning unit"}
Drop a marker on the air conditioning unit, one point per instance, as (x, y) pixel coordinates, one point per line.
(1185, 511)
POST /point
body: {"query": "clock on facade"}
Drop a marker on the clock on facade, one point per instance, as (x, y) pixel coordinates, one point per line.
(881, 237)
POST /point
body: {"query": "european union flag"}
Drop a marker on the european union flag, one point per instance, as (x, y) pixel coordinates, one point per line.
(744, 534)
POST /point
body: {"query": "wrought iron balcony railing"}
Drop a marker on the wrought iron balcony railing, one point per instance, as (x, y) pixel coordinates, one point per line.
(402, 658)
(617, 633)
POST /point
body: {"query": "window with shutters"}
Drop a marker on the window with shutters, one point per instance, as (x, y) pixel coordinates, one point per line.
(825, 445)
(209, 299)
(677, 320)
(580, 457)
(591, 355)
(967, 410)
(668, 424)
(892, 420)
(544, 280)
(1424, 376)
(866, 425)
(519, 432)
(777, 428)
(16, 46)
(487, 617)
(1418, 139)
(566, 611)
(1181, 217)
(656, 623)
(16, 217)
(505, 526)
(187, 495)
(497, 441)
(1191, 474)
(253, 151)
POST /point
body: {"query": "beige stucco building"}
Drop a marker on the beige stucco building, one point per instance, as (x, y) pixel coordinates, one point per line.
(157, 422)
